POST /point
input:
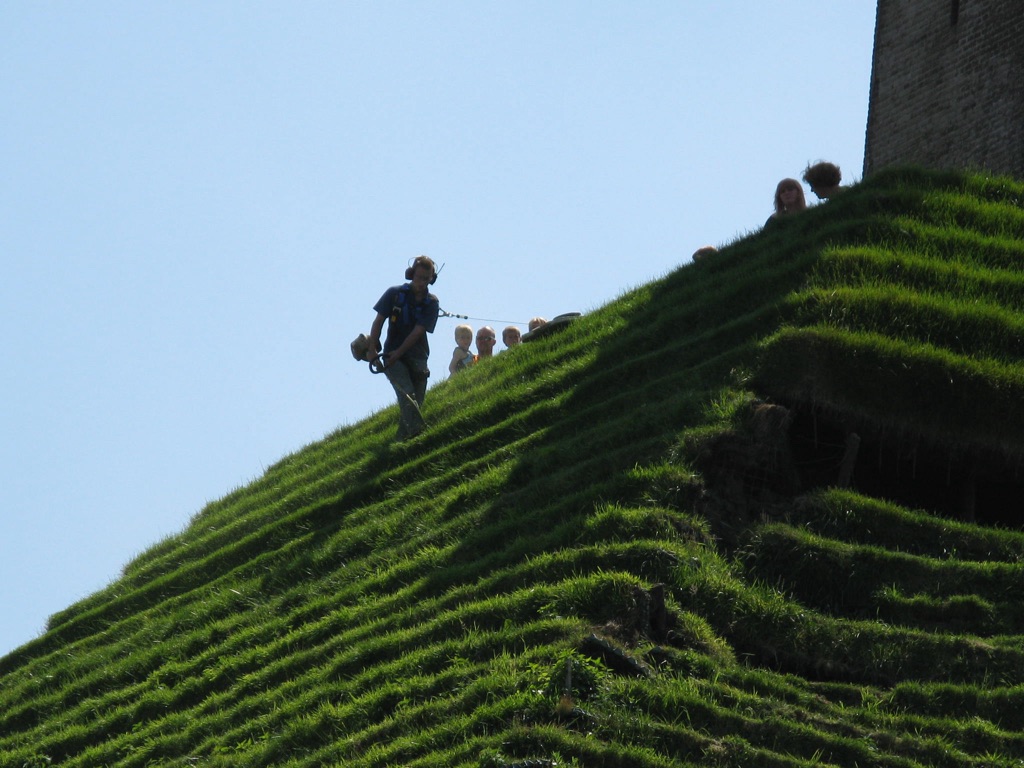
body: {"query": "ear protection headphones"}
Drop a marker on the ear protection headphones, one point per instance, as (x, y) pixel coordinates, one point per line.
(422, 261)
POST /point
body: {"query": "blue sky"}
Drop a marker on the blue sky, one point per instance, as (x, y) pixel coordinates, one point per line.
(201, 201)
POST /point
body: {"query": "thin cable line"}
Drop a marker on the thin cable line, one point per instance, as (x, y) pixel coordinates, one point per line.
(446, 313)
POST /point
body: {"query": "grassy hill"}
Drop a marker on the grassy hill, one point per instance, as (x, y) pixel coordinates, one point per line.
(765, 511)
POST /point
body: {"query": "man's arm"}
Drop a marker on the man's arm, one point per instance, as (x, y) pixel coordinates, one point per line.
(374, 340)
(414, 335)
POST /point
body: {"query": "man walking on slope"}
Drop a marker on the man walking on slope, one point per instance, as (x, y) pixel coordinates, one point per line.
(411, 311)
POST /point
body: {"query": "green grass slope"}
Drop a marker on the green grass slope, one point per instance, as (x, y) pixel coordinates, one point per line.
(764, 511)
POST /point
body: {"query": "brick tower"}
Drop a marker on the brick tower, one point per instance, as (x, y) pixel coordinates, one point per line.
(947, 86)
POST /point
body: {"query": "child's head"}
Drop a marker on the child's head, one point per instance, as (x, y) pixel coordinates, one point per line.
(463, 336)
(511, 336)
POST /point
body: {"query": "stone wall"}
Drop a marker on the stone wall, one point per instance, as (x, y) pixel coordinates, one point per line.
(947, 86)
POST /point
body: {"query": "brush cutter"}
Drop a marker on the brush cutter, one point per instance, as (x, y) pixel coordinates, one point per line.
(361, 351)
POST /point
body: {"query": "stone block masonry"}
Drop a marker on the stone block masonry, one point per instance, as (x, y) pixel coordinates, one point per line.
(947, 86)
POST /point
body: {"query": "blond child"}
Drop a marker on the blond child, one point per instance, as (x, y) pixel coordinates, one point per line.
(462, 357)
(511, 336)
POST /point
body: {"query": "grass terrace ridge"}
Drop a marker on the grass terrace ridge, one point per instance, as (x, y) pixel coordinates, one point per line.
(764, 511)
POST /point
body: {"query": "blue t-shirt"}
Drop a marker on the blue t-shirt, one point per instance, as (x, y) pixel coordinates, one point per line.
(405, 313)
